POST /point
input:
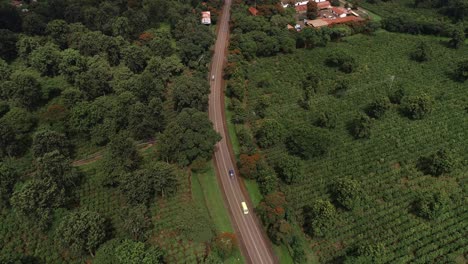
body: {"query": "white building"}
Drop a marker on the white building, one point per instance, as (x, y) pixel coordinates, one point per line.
(206, 18)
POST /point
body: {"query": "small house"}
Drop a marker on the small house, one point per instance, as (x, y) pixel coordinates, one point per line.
(206, 18)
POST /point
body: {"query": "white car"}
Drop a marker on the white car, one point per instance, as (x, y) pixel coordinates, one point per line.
(212, 77)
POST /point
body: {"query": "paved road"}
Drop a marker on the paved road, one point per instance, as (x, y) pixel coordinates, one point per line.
(255, 247)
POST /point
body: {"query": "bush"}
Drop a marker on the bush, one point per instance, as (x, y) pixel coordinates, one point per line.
(417, 107)
(326, 120)
(345, 62)
(360, 127)
(319, 218)
(308, 143)
(422, 52)
(348, 193)
(431, 205)
(438, 163)
(290, 169)
(270, 133)
(461, 72)
(378, 107)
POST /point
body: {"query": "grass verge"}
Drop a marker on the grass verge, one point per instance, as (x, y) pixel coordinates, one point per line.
(206, 190)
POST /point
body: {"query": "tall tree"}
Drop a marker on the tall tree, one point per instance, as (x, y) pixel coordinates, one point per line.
(95, 81)
(58, 30)
(121, 156)
(46, 60)
(457, 37)
(82, 232)
(36, 199)
(188, 137)
(134, 57)
(312, 10)
(270, 133)
(47, 141)
(190, 92)
(28, 91)
(72, 64)
(8, 178)
(8, 41)
(319, 218)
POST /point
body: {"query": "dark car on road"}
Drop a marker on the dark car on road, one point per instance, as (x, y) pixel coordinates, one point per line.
(231, 173)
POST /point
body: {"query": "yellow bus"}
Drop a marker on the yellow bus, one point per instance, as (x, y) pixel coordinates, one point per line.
(244, 208)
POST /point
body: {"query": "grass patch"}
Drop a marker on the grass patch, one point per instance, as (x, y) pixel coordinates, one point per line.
(205, 188)
(283, 254)
(254, 191)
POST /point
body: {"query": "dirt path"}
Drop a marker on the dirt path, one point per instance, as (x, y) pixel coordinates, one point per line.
(98, 155)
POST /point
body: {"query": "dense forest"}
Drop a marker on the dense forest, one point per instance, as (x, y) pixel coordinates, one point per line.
(122, 87)
(355, 134)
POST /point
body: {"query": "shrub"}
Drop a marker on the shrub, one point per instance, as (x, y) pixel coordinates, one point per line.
(319, 218)
(290, 169)
(416, 107)
(345, 62)
(378, 107)
(348, 193)
(308, 143)
(270, 133)
(326, 120)
(461, 72)
(360, 127)
(431, 205)
(422, 52)
(438, 163)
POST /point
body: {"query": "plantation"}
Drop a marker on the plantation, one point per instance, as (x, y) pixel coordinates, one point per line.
(382, 128)
(102, 119)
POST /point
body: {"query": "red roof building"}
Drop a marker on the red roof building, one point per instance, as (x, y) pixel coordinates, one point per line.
(301, 8)
(342, 20)
(324, 5)
(339, 11)
(253, 11)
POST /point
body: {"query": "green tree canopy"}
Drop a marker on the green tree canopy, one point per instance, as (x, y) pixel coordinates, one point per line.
(417, 107)
(121, 156)
(319, 218)
(348, 193)
(58, 30)
(190, 92)
(378, 107)
(270, 133)
(431, 205)
(8, 178)
(360, 127)
(438, 163)
(82, 232)
(461, 71)
(36, 199)
(95, 81)
(72, 64)
(188, 137)
(289, 168)
(134, 57)
(132, 252)
(307, 142)
(422, 52)
(47, 141)
(27, 90)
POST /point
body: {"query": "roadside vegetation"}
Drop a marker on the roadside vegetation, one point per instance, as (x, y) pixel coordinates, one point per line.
(358, 139)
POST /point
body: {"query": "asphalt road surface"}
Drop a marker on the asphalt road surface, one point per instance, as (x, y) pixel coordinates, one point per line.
(254, 245)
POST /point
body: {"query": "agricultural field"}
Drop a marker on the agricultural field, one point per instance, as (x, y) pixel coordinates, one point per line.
(385, 162)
